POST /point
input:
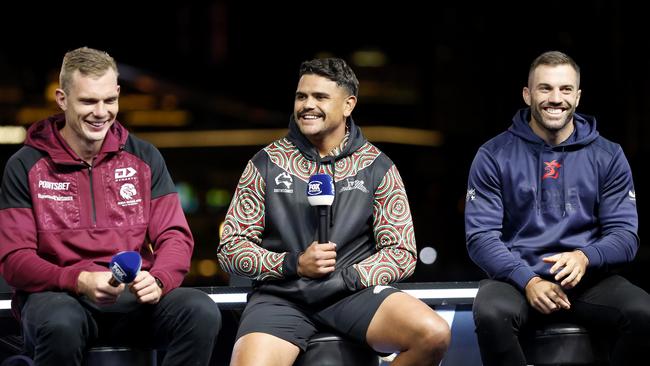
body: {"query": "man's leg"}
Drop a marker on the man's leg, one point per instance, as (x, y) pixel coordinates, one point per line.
(263, 349)
(187, 321)
(500, 311)
(272, 332)
(616, 306)
(390, 321)
(407, 325)
(56, 328)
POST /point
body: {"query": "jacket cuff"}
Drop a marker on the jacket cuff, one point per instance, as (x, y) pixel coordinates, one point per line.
(290, 265)
(164, 279)
(521, 276)
(69, 279)
(595, 259)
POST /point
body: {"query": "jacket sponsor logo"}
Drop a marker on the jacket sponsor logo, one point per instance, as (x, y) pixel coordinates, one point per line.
(283, 180)
(56, 186)
(54, 198)
(471, 194)
(354, 184)
(552, 169)
(631, 195)
(124, 173)
(128, 191)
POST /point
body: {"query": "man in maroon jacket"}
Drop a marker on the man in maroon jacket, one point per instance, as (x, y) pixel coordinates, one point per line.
(81, 190)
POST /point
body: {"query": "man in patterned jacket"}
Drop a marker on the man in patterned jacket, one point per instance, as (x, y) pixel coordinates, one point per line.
(81, 190)
(301, 285)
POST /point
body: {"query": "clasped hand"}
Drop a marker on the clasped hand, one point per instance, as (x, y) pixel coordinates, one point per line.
(568, 267)
(318, 260)
(96, 287)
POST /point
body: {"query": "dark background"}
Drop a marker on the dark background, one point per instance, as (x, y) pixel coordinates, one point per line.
(456, 68)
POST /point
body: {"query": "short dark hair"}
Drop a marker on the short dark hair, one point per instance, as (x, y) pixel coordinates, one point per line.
(553, 58)
(334, 69)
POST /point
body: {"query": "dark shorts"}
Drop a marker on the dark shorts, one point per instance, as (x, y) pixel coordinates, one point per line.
(270, 314)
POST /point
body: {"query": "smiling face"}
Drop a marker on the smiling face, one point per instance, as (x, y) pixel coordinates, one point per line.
(90, 106)
(320, 109)
(553, 95)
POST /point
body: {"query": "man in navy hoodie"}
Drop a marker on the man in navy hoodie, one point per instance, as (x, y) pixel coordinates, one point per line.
(550, 214)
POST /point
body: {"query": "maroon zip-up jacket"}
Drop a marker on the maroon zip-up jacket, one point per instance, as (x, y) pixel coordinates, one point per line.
(60, 216)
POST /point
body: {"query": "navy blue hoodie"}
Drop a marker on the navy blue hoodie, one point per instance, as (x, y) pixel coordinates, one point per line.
(527, 200)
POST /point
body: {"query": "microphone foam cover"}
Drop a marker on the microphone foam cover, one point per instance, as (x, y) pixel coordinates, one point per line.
(320, 190)
(125, 266)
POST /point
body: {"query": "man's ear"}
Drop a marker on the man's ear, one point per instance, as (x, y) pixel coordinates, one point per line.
(526, 94)
(61, 99)
(350, 103)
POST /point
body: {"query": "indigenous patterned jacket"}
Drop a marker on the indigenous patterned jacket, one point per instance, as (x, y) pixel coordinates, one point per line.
(270, 222)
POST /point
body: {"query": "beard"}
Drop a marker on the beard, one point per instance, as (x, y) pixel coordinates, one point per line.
(552, 125)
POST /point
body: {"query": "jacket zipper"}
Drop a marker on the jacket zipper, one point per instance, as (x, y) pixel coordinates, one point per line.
(92, 193)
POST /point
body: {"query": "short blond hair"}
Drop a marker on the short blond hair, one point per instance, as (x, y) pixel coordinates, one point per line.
(88, 61)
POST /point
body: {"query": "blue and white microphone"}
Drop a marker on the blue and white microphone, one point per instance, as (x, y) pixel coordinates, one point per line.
(320, 193)
(124, 266)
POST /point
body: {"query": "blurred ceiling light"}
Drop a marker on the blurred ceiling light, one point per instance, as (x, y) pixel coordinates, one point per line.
(188, 196)
(169, 101)
(324, 54)
(369, 58)
(401, 135)
(170, 118)
(50, 91)
(428, 255)
(217, 198)
(217, 138)
(12, 134)
(145, 83)
(221, 225)
(29, 115)
(10, 94)
(207, 267)
(137, 101)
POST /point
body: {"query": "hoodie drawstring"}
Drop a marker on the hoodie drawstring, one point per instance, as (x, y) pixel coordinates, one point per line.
(565, 171)
(540, 173)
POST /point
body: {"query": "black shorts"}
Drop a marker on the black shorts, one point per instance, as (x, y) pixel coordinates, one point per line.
(270, 314)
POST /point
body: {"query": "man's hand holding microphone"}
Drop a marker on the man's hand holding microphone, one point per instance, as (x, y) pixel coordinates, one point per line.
(103, 288)
(320, 257)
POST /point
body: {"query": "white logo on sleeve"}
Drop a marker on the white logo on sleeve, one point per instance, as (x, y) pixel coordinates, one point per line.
(471, 195)
(631, 194)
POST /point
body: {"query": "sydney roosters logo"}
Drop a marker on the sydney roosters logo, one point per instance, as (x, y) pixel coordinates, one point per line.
(551, 170)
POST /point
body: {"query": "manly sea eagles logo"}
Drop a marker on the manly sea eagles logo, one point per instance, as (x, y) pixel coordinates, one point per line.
(128, 193)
